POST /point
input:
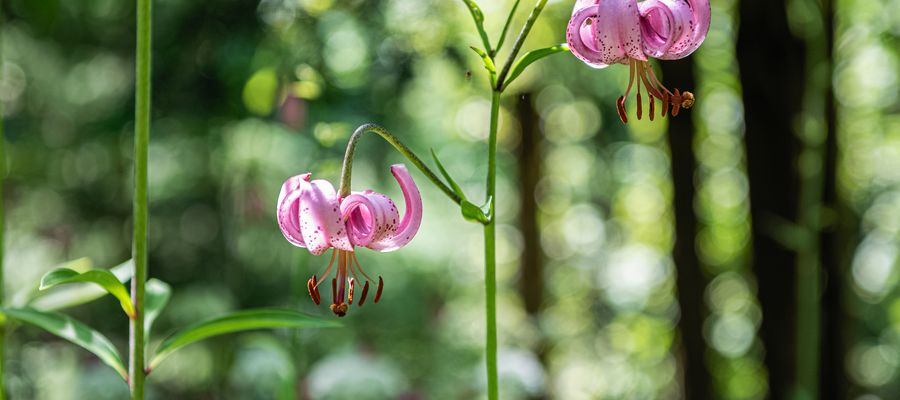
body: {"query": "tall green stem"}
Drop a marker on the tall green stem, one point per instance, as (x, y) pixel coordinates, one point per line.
(141, 141)
(2, 226)
(490, 260)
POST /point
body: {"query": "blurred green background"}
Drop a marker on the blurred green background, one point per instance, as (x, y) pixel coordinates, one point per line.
(248, 93)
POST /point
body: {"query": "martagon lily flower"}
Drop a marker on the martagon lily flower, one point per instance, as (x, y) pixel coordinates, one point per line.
(606, 32)
(313, 216)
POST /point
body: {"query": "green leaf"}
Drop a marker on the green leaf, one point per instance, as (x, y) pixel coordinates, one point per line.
(472, 213)
(456, 188)
(237, 322)
(156, 297)
(488, 64)
(73, 331)
(74, 294)
(27, 293)
(478, 18)
(531, 57)
(100, 277)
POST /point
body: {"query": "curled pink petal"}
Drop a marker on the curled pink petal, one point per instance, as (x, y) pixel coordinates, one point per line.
(412, 217)
(288, 208)
(580, 37)
(320, 219)
(369, 217)
(673, 29)
(605, 32)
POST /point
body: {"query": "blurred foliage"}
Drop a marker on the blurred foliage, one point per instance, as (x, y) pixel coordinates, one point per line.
(247, 94)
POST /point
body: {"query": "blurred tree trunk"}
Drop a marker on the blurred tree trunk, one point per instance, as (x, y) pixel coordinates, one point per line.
(771, 64)
(838, 242)
(689, 279)
(531, 284)
(531, 281)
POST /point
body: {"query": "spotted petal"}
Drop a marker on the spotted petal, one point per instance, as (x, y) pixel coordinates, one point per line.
(288, 208)
(605, 32)
(412, 218)
(320, 218)
(673, 29)
(369, 216)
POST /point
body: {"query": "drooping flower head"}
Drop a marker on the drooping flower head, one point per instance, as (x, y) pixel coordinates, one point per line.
(606, 32)
(313, 216)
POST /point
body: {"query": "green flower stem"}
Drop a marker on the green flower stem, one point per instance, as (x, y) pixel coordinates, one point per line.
(2, 226)
(490, 260)
(136, 372)
(526, 29)
(347, 169)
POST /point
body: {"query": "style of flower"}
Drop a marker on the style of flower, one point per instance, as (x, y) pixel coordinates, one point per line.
(606, 32)
(312, 215)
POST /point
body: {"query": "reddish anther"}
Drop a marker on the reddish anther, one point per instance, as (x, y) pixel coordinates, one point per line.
(362, 297)
(665, 105)
(639, 103)
(312, 286)
(378, 291)
(350, 292)
(620, 107)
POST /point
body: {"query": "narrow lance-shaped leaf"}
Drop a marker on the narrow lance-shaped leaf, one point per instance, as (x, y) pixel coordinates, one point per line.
(528, 58)
(27, 293)
(73, 331)
(456, 188)
(79, 293)
(156, 297)
(100, 277)
(488, 64)
(237, 322)
(478, 17)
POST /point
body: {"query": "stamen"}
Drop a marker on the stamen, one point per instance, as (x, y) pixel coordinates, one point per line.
(378, 292)
(350, 293)
(620, 107)
(652, 88)
(327, 270)
(359, 267)
(656, 82)
(652, 104)
(313, 290)
(639, 102)
(665, 105)
(362, 298)
(632, 68)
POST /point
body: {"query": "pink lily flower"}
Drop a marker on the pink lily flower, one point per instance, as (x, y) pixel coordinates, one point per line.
(313, 216)
(606, 32)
